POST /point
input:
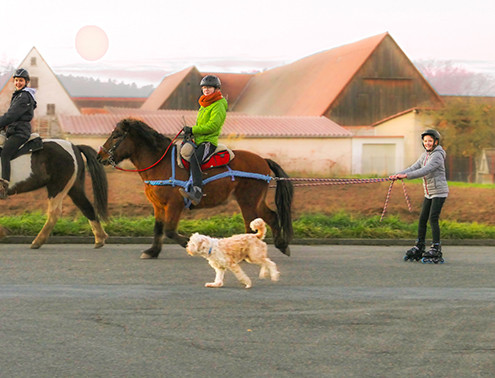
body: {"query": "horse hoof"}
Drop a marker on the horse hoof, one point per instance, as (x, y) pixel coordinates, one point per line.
(145, 256)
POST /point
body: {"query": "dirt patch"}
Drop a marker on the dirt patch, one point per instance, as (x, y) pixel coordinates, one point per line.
(126, 197)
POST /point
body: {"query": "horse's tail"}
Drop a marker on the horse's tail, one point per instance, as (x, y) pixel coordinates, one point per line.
(283, 200)
(98, 179)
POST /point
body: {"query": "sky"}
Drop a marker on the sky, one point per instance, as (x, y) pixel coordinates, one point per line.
(148, 38)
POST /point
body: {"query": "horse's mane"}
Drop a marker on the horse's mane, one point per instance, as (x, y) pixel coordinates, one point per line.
(141, 130)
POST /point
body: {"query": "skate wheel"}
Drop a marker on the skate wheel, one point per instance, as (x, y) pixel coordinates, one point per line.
(406, 258)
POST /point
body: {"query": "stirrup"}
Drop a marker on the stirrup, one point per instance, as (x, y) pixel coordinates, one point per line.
(194, 195)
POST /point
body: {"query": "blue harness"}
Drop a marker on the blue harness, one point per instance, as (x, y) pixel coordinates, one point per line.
(172, 181)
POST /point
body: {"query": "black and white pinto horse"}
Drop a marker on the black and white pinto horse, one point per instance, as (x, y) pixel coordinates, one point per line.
(59, 166)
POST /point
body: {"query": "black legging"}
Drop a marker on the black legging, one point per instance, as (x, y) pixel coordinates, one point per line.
(431, 210)
(201, 152)
(10, 147)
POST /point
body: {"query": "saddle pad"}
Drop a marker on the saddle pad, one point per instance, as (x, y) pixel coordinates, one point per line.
(222, 156)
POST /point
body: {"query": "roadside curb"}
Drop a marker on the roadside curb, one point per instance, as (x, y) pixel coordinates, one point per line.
(13, 239)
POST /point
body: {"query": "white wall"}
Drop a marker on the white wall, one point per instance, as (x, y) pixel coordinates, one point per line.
(309, 156)
(396, 144)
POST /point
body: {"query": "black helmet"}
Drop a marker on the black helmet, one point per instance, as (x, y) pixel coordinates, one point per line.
(21, 72)
(433, 133)
(210, 81)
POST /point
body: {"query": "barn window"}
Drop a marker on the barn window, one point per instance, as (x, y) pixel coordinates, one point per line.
(50, 109)
(34, 82)
(33, 61)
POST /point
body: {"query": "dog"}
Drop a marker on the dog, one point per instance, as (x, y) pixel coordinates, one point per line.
(227, 253)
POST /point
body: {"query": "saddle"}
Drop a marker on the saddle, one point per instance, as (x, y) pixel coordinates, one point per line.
(34, 143)
(218, 158)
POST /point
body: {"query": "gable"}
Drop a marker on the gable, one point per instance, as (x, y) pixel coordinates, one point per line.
(50, 93)
(308, 86)
(386, 84)
(176, 91)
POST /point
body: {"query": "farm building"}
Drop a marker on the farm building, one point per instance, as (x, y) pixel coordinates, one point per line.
(352, 109)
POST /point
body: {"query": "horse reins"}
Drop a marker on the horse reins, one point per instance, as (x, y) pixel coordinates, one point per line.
(112, 162)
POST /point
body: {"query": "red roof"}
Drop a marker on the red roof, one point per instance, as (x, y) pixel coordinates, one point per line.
(308, 86)
(169, 122)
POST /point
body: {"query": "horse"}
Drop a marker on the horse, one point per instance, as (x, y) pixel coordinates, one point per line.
(59, 167)
(134, 140)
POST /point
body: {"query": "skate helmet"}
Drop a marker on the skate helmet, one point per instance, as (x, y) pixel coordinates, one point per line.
(21, 72)
(433, 133)
(210, 81)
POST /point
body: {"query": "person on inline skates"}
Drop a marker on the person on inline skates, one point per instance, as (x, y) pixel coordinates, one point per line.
(431, 167)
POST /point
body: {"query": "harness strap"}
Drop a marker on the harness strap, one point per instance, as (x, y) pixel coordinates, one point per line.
(172, 181)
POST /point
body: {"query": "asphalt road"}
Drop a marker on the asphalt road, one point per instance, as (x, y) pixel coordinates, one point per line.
(338, 311)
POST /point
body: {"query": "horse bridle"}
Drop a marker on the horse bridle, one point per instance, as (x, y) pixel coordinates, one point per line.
(112, 149)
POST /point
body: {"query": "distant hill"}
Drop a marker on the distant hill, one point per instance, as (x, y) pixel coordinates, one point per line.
(79, 86)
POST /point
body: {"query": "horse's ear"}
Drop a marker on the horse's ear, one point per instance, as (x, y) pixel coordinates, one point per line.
(124, 124)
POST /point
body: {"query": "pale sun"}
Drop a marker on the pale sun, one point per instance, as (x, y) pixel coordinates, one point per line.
(91, 42)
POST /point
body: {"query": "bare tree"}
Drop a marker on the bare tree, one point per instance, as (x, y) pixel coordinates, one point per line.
(449, 78)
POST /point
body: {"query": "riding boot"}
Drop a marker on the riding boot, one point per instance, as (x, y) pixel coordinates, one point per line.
(195, 192)
(4, 187)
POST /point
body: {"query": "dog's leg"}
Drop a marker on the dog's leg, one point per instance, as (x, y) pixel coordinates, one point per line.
(272, 267)
(218, 278)
(263, 271)
(241, 276)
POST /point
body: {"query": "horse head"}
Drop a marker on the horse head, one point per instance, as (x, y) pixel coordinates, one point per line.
(128, 138)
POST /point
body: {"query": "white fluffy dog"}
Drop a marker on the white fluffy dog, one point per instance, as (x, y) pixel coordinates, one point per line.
(227, 253)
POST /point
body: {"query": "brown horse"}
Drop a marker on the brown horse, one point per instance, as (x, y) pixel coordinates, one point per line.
(133, 139)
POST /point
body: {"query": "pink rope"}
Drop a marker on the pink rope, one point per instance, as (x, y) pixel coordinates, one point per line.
(406, 196)
(386, 199)
(327, 181)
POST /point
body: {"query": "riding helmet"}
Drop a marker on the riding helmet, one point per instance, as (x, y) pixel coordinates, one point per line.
(210, 81)
(21, 72)
(431, 132)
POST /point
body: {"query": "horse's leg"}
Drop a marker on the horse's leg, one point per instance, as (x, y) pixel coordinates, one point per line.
(53, 213)
(82, 202)
(173, 213)
(166, 221)
(156, 246)
(254, 206)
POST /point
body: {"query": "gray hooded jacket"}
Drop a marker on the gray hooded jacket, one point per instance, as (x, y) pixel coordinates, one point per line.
(430, 166)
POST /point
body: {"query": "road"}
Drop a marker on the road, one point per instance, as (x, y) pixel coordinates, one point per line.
(70, 310)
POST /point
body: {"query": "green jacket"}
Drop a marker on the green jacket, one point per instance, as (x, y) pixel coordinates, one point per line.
(209, 122)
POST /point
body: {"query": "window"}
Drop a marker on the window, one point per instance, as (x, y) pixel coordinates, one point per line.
(33, 61)
(34, 82)
(50, 109)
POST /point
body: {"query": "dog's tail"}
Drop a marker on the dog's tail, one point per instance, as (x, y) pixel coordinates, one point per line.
(259, 226)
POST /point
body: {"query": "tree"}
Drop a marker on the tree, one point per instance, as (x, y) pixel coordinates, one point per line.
(448, 78)
(467, 127)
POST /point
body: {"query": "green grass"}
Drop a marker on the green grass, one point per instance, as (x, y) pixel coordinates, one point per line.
(308, 226)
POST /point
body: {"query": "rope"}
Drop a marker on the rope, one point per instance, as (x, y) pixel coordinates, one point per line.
(328, 181)
(386, 199)
(406, 196)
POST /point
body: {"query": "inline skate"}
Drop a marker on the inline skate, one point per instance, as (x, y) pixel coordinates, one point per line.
(434, 255)
(416, 252)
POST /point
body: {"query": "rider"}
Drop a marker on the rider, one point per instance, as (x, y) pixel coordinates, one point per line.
(205, 133)
(16, 123)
